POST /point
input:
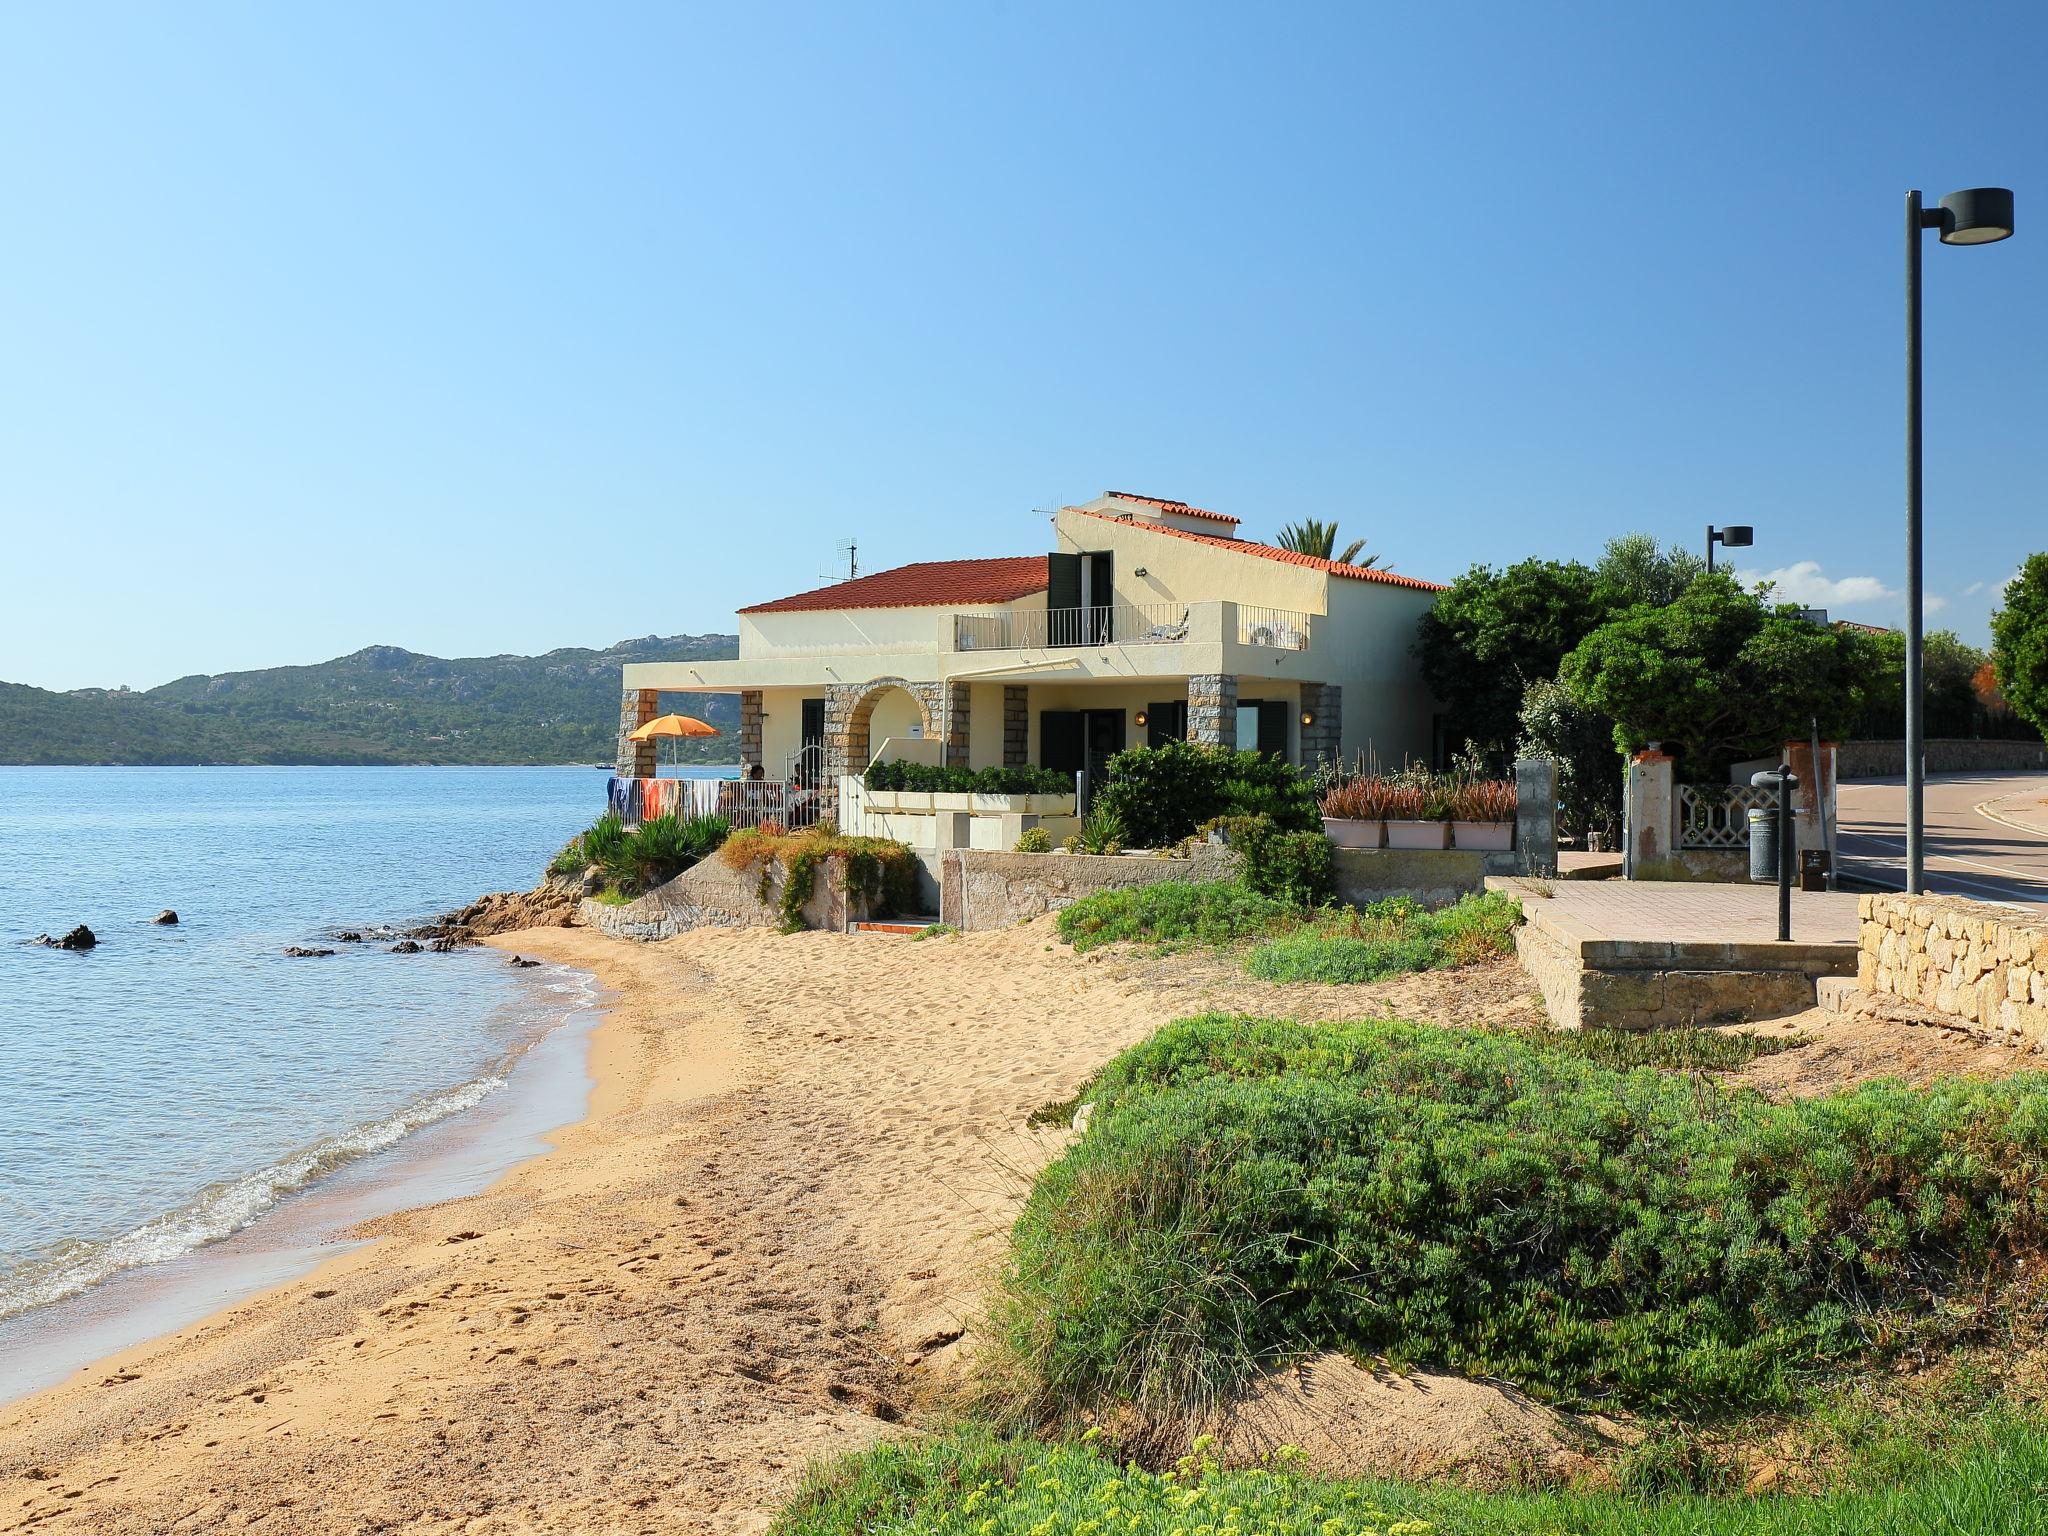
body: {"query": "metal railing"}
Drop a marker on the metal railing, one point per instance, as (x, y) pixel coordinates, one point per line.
(1109, 624)
(1719, 817)
(1274, 629)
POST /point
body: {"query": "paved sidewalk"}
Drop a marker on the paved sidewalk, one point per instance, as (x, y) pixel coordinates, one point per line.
(1682, 912)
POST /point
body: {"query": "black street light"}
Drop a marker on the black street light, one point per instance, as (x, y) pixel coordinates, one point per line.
(1735, 536)
(1976, 217)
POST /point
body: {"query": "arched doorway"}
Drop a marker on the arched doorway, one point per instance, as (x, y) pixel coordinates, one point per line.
(887, 707)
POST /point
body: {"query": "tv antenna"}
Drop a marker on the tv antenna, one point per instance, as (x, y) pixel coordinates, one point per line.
(849, 552)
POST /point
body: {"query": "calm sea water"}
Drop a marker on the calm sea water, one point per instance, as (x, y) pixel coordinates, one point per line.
(171, 1086)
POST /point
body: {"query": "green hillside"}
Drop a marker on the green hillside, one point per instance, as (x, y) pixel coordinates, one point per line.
(379, 705)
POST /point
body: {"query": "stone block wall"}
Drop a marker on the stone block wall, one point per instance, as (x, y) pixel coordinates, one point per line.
(750, 728)
(712, 895)
(636, 759)
(1983, 964)
(1323, 736)
(985, 889)
(1212, 709)
(1877, 759)
(1016, 725)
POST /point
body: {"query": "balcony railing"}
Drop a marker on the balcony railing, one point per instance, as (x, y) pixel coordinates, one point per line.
(1114, 624)
(1272, 629)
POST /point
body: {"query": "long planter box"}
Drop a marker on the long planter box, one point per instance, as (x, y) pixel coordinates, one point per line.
(1487, 836)
(1351, 832)
(928, 802)
(1418, 834)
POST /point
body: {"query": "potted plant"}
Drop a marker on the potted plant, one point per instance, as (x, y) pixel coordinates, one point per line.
(1355, 812)
(1483, 815)
(1415, 816)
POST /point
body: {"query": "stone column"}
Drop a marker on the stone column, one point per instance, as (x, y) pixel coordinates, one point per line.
(955, 721)
(1652, 814)
(1535, 816)
(637, 707)
(750, 728)
(840, 699)
(1016, 725)
(1212, 709)
(1323, 737)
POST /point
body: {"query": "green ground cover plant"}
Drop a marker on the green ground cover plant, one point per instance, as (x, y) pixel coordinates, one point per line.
(972, 1482)
(1387, 938)
(1499, 1205)
(883, 871)
(1173, 912)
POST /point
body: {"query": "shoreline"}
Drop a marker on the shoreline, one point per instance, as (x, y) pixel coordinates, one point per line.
(543, 1086)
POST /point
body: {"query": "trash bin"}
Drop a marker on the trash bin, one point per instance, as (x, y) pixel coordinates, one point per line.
(1763, 846)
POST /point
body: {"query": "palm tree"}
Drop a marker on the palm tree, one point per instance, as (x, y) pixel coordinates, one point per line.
(1311, 536)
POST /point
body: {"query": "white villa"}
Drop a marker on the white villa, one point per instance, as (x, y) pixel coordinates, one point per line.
(1147, 620)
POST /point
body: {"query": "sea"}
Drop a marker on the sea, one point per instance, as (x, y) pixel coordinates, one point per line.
(187, 1113)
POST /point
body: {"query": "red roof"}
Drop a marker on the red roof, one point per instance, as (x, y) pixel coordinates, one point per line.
(1272, 552)
(1179, 507)
(928, 584)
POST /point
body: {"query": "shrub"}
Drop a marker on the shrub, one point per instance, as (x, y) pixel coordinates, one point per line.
(1034, 840)
(954, 780)
(1389, 938)
(605, 841)
(665, 846)
(1294, 867)
(1252, 1189)
(1161, 794)
(1171, 911)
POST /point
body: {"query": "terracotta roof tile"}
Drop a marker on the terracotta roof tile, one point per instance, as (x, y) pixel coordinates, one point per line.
(927, 584)
(1180, 507)
(1273, 552)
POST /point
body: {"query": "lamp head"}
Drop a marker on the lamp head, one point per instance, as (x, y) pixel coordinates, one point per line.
(1976, 217)
(1738, 536)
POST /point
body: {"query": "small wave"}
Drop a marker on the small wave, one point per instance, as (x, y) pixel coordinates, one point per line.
(225, 1208)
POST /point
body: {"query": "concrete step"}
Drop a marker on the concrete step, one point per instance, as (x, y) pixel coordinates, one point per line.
(896, 925)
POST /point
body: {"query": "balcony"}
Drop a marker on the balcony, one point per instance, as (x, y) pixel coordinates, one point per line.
(1277, 629)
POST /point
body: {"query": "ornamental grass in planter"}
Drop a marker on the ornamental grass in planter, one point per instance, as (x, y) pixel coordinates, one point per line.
(1355, 813)
(1416, 817)
(1483, 815)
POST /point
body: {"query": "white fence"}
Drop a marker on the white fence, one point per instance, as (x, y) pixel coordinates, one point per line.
(1273, 629)
(1114, 624)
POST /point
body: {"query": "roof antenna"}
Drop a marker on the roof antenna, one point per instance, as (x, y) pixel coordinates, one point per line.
(849, 551)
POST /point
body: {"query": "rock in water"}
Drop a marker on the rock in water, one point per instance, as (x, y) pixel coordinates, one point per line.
(551, 904)
(166, 919)
(405, 947)
(80, 938)
(522, 962)
(348, 936)
(298, 952)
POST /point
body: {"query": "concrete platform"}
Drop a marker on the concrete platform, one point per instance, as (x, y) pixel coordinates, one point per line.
(1654, 954)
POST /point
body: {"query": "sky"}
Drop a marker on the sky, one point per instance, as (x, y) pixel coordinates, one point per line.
(480, 328)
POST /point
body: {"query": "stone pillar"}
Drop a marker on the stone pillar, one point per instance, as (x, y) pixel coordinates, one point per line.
(750, 728)
(951, 710)
(1212, 709)
(637, 707)
(1652, 811)
(1322, 738)
(840, 699)
(1535, 816)
(1016, 726)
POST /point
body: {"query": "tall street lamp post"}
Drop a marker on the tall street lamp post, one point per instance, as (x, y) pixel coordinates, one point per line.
(1976, 217)
(1734, 536)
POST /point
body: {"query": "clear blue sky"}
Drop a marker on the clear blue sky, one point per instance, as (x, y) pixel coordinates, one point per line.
(478, 328)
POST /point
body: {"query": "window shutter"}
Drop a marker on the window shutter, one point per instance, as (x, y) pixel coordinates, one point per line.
(1059, 740)
(1063, 598)
(1272, 726)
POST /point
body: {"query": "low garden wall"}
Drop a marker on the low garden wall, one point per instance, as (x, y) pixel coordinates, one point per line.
(985, 889)
(712, 894)
(1882, 759)
(1428, 875)
(1985, 965)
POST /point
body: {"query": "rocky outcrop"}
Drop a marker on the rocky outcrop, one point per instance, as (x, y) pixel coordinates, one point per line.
(551, 904)
(166, 919)
(406, 947)
(301, 952)
(80, 938)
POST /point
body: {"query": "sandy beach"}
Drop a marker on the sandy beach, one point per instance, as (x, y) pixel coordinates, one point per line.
(768, 1241)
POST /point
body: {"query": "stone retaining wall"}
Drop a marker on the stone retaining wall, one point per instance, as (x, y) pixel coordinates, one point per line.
(1983, 964)
(1881, 759)
(984, 889)
(1431, 876)
(714, 895)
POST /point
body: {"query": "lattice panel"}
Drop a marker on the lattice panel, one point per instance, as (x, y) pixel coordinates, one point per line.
(1718, 818)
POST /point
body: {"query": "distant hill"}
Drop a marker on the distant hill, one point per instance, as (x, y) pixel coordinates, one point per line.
(379, 705)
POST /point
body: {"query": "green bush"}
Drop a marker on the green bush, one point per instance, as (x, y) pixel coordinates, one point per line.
(1251, 1189)
(1161, 794)
(1388, 938)
(1172, 911)
(665, 846)
(1034, 840)
(954, 780)
(969, 1481)
(1295, 867)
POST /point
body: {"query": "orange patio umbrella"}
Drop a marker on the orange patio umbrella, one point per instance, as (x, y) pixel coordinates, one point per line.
(673, 725)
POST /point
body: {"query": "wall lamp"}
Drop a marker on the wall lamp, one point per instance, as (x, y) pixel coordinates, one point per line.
(1308, 717)
(1140, 717)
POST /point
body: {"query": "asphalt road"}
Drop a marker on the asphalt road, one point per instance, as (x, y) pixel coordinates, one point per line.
(1987, 834)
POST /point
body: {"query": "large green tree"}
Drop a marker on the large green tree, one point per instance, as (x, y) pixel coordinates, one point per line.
(1492, 633)
(1635, 570)
(1949, 669)
(2019, 643)
(1719, 675)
